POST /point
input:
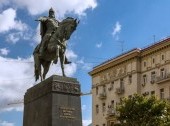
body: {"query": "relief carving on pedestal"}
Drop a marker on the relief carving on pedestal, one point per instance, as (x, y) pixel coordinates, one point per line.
(66, 87)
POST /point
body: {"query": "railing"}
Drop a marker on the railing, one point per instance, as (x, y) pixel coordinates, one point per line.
(102, 95)
(164, 78)
(120, 90)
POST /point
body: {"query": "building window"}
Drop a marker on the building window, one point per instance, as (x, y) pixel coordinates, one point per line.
(130, 79)
(153, 93)
(111, 123)
(104, 125)
(121, 83)
(104, 89)
(153, 60)
(163, 57)
(97, 109)
(112, 84)
(162, 73)
(144, 79)
(153, 77)
(162, 93)
(97, 90)
(144, 64)
(103, 107)
(112, 104)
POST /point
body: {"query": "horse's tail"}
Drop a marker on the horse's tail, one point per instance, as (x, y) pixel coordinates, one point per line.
(37, 67)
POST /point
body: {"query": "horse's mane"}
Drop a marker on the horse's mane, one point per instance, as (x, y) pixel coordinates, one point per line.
(68, 19)
(64, 24)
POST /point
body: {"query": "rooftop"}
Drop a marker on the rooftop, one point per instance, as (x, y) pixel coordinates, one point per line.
(155, 44)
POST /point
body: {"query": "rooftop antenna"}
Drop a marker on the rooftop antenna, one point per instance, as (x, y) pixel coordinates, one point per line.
(154, 38)
(122, 45)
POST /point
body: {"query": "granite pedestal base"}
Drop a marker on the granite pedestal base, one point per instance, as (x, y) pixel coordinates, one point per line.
(53, 102)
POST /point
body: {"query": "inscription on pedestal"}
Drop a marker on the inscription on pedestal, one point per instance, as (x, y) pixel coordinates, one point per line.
(67, 113)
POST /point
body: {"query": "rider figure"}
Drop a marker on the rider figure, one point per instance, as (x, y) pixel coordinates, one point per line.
(48, 26)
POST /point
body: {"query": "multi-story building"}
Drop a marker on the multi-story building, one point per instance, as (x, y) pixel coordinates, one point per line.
(144, 71)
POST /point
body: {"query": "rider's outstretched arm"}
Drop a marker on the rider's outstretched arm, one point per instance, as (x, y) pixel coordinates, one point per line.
(42, 19)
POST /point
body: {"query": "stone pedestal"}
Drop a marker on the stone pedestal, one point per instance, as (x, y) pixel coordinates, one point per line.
(53, 102)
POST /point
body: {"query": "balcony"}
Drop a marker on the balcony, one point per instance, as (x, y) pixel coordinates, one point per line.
(102, 95)
(110, 112)
(120, 90)
(162, 79)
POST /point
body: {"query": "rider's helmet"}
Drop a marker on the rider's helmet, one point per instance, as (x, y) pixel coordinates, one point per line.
(51, 13)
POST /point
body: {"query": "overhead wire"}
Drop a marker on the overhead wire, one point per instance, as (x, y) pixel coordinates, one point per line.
(33, 62)
(95, 58)
(53, 71)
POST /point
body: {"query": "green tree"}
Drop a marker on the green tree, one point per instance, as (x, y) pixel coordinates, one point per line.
(142, 111)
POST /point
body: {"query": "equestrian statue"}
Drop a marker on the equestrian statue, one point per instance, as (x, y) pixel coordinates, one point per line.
(54, 36)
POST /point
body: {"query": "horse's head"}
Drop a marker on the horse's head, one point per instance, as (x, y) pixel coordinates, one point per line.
(69, 26)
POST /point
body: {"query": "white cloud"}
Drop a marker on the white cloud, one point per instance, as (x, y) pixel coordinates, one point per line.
(84, 107)
(86, 122)
(5, 123)
(17, 75)
(8, 21)
(70, 54)
(116, 29)
(62, 6)
(83, 65)
(37, 36)
(99, 45)
(3, 2)
(4, 51)
(16, 36)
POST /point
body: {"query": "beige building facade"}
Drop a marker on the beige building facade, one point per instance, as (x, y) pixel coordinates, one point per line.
(143, 71)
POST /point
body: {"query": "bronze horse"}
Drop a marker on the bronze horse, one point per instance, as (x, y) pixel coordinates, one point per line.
(56, 43)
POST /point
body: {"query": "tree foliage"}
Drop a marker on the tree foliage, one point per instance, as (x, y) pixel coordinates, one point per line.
(142, 111)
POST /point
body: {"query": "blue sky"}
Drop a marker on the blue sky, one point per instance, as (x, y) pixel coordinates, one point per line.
(106, 29)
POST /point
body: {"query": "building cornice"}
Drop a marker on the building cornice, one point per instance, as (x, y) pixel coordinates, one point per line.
(115, 61)
(155, 47)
